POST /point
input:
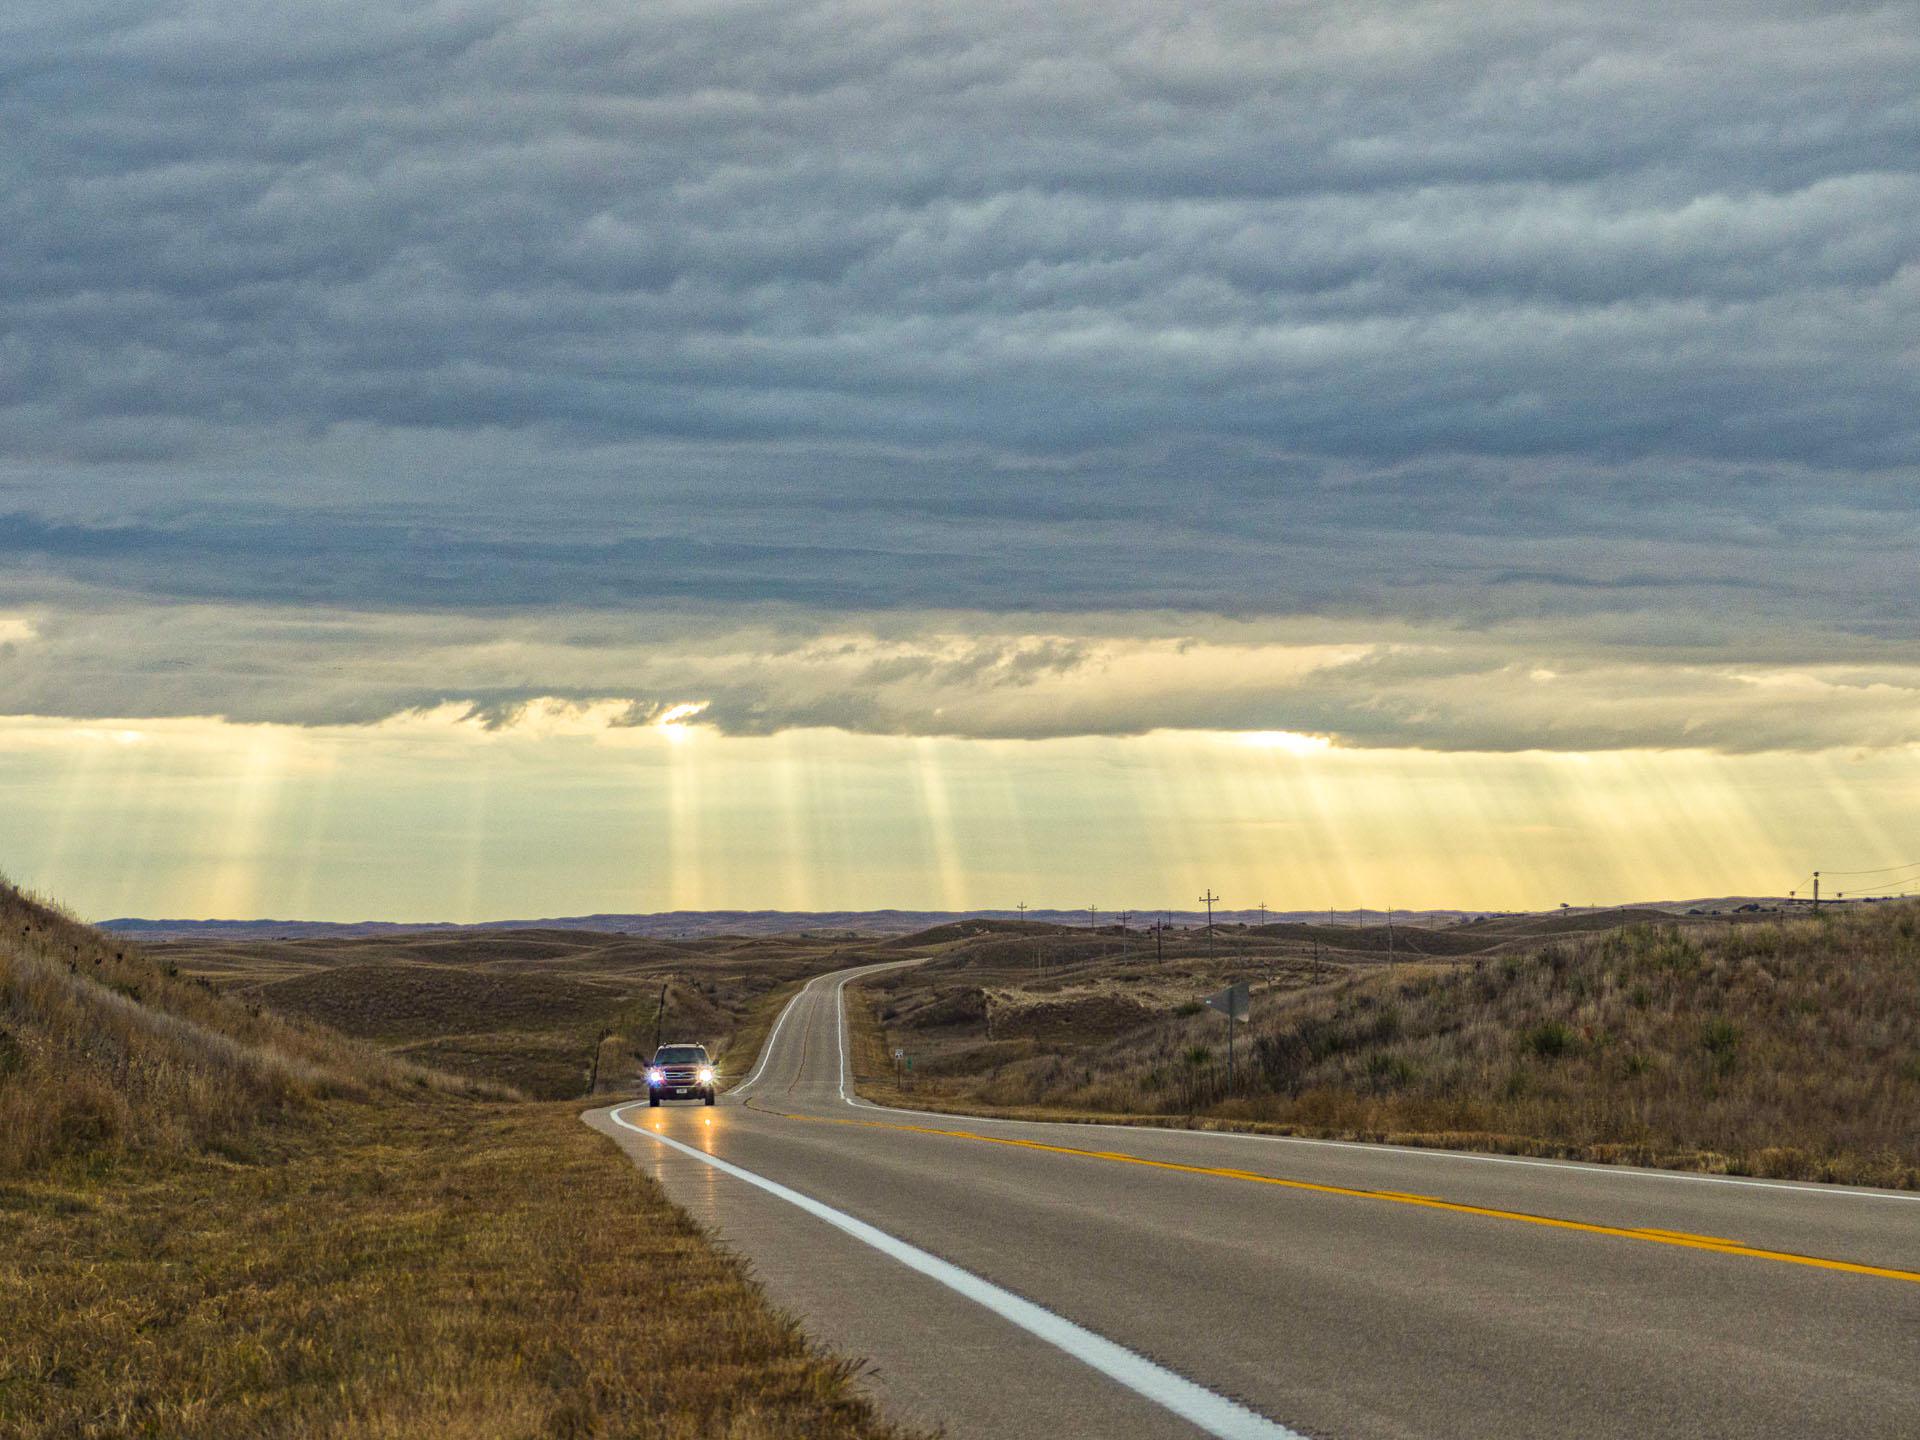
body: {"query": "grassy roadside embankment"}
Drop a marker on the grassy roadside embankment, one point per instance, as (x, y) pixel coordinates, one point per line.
(1787, 1049)
(228, 1224)
(436, 1269)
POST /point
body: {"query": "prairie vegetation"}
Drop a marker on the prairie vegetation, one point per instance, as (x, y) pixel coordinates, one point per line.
(102, 1051)
(220, 1222)
(1786, 1048)
(526, 1008)
(437, 1269)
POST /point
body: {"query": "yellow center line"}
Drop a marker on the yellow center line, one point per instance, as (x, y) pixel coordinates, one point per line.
(1719, 1241)
(1678, 1238)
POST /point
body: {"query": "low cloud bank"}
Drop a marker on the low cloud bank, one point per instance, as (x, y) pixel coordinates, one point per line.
(984, 676)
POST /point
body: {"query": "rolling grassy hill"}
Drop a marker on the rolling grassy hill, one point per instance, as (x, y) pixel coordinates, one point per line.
(526, 1008)
(103, 1051)
(222, 1222)
(1787, 1048)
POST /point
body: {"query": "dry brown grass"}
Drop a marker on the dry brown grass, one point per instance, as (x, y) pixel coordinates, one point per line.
(518, 1007)
(218, 1222)
(869, 1056)
(1788, 1049)
(440, 1268)
(102, 1050)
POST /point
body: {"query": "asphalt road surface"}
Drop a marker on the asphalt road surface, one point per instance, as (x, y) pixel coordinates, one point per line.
(1009, 1280)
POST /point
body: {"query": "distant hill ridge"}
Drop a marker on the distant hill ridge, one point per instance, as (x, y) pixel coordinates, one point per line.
(700, 924)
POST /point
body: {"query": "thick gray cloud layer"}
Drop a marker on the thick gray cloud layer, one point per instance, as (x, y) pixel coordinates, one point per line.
(1586, 325)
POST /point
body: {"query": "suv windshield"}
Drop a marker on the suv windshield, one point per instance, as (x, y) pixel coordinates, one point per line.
(681, 1055)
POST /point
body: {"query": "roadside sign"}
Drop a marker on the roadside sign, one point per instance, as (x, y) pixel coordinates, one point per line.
(898, 1053)
(1235, 1002)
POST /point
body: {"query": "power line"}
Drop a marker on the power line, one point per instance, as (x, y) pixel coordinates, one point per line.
(1910, 865)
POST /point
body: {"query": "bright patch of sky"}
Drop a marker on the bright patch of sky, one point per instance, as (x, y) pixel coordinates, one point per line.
(566, 812)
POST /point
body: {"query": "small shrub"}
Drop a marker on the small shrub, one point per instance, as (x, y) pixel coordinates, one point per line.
(1549, 1040)
(90, 1116)
(1284, 1058)
(1721, 1040)
(1389, 1072)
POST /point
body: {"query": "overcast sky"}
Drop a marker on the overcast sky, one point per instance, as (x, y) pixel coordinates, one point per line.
(1466, 378)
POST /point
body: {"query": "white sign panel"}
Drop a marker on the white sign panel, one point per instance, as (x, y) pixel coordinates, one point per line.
(1235, 1002)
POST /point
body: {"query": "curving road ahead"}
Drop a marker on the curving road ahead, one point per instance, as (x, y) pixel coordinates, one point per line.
(1009, 1280)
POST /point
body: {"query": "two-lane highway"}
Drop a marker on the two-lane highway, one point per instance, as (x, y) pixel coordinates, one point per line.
(1009, 1279)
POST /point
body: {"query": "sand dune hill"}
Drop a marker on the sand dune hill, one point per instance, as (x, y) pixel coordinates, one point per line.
(104, 1048)
(1780, 1046)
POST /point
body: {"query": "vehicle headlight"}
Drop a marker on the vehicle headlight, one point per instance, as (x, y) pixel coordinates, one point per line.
(656, 1076)
(706, 1074)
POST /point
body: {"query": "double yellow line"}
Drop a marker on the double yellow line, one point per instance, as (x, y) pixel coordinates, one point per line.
(1678, 1238)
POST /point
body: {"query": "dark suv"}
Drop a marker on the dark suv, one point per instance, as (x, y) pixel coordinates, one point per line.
(680, 1072)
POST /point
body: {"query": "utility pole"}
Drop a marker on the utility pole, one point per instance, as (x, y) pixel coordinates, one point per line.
(1208, 900)
(1263, 914)
(659, 1018)
(1091, 912)
(593, 1079)
(1022, 908)
(1389, 934)
(1816, 892)
(1160, 941)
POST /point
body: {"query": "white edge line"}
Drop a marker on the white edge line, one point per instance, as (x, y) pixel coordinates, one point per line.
(766, 1050)
(840, 1015)
(1211, 1412)
(1427, 1152)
